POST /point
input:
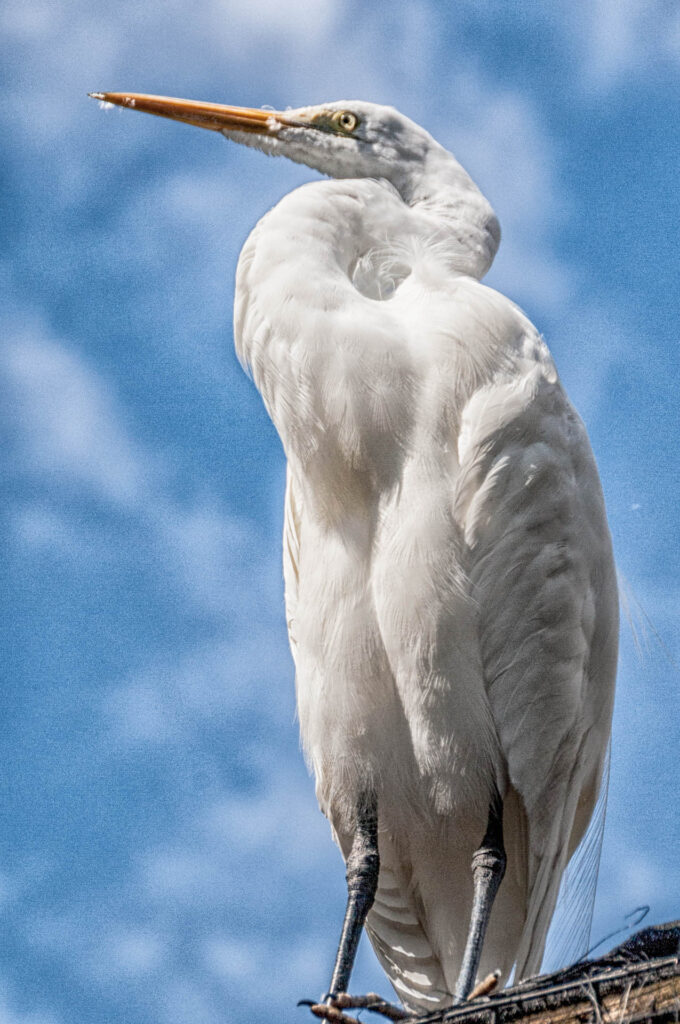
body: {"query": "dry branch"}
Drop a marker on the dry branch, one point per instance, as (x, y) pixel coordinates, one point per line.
(636, 983)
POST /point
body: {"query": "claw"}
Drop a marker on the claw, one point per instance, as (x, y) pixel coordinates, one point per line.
(326, 1011)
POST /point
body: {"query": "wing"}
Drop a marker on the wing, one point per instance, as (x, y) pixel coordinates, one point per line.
(291, 556)
(542, 575)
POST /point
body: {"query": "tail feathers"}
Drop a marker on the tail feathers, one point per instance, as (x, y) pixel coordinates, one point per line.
(539, 915)
(403, 948)
(545, 876)
(419, 920)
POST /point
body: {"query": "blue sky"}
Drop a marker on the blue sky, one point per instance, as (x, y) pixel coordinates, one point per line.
(162, 859)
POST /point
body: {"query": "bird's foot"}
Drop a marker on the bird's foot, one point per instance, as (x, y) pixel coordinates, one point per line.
(332, 1008)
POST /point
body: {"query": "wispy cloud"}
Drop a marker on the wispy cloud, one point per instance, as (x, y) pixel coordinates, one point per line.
(67, 424)
(617, 38)
(70, 432)
(127, 229)
(10, 1015)
(172, 697)
(236, 895)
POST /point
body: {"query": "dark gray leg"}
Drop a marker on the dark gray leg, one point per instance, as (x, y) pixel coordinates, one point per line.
(363, 865)
(488, 868)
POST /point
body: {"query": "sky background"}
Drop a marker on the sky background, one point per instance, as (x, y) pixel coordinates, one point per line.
(162, 859)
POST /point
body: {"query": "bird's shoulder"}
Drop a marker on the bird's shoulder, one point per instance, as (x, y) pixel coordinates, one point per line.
(522, 450)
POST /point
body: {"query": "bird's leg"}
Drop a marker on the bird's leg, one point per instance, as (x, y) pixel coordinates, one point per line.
(363, 865)
(488, 868)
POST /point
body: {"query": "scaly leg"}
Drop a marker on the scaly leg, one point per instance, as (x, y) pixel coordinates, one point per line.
(363, 865)
(488, 868)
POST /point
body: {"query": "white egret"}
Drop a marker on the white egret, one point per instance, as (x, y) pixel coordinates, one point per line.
(450, 587)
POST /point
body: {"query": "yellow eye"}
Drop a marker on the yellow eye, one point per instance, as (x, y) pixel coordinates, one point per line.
(345, 120)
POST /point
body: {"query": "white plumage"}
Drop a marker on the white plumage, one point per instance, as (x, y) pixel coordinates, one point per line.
(450, 589)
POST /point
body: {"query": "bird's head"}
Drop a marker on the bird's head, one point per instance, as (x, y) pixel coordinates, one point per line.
(343, 139)
(349, 139)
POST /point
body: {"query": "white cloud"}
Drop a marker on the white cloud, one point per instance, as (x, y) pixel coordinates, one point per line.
(272, 831)
(231, 878)
(9, 1015)
(523, 187)
(591, 341)
(239, 22)
(70, 431)
(144, 712)
(173, 696)
(185, 999)
(613, 39)
(235, 960)
(39, 529)
(641, 880)
(210, 551)
(68, 423)
(127, 953)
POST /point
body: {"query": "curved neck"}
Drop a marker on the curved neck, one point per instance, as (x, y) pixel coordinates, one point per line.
(461, 217)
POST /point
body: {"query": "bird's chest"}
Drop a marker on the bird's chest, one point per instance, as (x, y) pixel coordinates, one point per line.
(382, 575)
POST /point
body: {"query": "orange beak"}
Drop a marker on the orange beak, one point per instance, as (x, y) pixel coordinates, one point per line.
(214, 116)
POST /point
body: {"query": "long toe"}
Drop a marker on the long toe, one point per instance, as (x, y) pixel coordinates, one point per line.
(327, 1011)
(371, 1001)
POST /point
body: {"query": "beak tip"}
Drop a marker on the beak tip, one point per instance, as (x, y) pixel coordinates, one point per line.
(97, 95)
